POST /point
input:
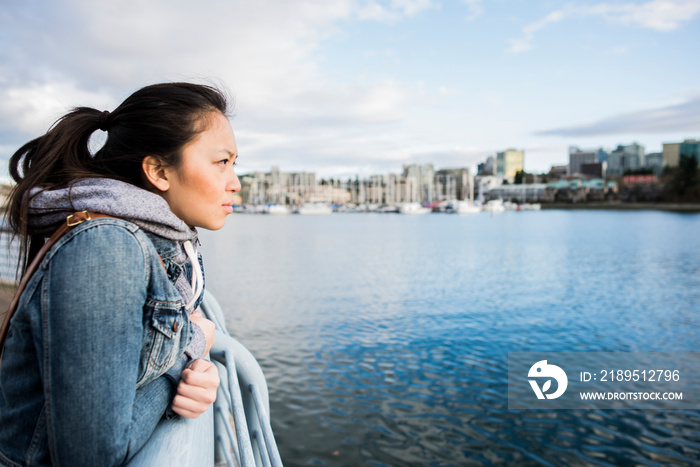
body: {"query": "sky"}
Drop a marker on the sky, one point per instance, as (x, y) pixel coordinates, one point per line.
(346, 87)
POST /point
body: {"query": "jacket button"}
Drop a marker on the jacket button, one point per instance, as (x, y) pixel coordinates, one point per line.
(176, 326)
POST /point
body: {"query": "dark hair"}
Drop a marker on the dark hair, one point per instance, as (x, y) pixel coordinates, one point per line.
(157, 120)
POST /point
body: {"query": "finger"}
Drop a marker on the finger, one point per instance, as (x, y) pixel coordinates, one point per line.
(197, 394)
(201, 380)
(186, 412)
(201, 365)
(190, 405)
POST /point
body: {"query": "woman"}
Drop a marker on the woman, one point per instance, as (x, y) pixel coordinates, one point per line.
(106, 340)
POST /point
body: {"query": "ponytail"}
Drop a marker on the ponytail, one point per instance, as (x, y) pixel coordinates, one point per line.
(47, 162)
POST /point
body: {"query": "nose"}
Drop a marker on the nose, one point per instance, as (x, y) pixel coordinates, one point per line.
(234, 184)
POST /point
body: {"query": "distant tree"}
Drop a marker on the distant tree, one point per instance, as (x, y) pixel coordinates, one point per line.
(640, 171)
(519, 177)
(689, 180)
(684, 184)
(518, 180)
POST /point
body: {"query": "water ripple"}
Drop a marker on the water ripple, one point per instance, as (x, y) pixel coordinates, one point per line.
(385, 339)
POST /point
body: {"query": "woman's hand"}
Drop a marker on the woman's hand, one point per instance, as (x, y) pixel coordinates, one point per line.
(197, 389)
(206, 326)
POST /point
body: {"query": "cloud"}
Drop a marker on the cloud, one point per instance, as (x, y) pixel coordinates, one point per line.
(475, 9)
(55, 55)
(31, 109)
(394, 10)
(524, 43)
(679, 118)
(657, 15)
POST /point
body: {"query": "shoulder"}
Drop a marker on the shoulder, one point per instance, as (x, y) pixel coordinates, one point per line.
(106, 240)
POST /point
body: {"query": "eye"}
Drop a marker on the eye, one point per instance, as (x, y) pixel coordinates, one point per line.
(222, 161)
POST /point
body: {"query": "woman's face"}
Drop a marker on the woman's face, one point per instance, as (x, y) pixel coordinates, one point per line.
(202, 186)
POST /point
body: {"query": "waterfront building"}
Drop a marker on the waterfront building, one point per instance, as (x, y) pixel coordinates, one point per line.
(557, 172)
(253, 188)
(377, 190)
(602, 156)
(640, 179)
(672, 151)
(522, 193)
(301, 186)
(655, 162)
(486, 167)
(452, 184)
(329, 193)
(277, 187)
(690, 148)
(357, 191)
(624, 158)
(579, 190)
(593, 169)
(509, 162)
(671, 154)
(577, 157)
(420, 183)
(485, 183)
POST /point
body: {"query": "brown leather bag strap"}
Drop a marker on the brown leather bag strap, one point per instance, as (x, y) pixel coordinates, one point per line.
(71, 221)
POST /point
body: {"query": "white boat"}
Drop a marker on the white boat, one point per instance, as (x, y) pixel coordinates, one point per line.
(494, 206)
(388, 209)
(309, 209)
(530, 207)
(413, 208)
(466, 207)
(510, 206)
(277, 209)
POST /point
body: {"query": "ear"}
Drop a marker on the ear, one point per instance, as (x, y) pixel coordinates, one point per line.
(155, 172)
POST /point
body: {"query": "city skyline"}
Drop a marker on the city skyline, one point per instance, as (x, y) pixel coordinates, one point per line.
(348, 87)
(474, 169)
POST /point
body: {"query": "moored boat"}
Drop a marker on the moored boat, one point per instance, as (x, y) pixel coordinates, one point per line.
(309, 209)
(466, 207)
(413, 208)
(494, 206)
(277, 209)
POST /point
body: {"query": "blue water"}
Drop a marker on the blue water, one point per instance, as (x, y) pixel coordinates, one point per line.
(384, 338)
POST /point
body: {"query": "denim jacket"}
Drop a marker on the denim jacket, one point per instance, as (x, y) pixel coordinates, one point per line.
(95, 348)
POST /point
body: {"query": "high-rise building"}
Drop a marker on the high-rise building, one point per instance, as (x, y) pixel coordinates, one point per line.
(690, 148)
(420, 183)
(624, 158)
(452, 184)
(509, 162)
(672, 151)
(486, 167)
(671, 154)
(577, 157)
(593, 169)
(655, 162)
